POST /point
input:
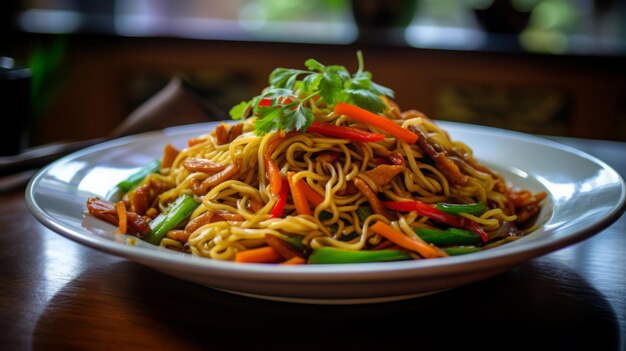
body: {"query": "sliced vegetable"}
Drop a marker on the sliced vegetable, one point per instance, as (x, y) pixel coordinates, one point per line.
(476, 208)
(273, 172)
(349, 236)
(414, 244)
(296, 241)
(282, 246)
(363, 212)
(329, 255)
(448, 237)
(434, 214)
(313, 197)
(279, 208)
(298, 195)
(121, 214)
(455, 251)
(176, 213)
(344, 132)
(136, 178)
(294, 261)
(265, 254)
(374, 120)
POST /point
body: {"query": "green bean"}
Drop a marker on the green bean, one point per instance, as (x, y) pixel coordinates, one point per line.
(476, 208)
(363, 212)
(448, 237)
(136, 178)
(326, 255)
(177, 212)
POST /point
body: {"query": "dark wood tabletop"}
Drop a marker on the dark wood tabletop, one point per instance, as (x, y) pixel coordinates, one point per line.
(57, 294)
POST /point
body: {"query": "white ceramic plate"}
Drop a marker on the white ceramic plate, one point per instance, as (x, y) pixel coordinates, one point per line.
(585, 196)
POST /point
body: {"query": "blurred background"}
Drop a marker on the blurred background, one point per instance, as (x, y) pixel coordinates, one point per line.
(77, 69)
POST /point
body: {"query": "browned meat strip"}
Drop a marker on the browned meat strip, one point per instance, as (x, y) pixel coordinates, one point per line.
(235, 131)
(169, 155)
(375, 203)
(448, 168)
(221, 134)
(106, 211)
(201, 188)
(225, 134)
(382, 174)
(140, 199)
(202, 165)
(202, 219)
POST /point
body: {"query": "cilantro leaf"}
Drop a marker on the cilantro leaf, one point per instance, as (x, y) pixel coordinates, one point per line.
(314, 65)
(311, 82)
(299, 118)
(341, 71)
(330, 86)
(270, 123)
(365, 99)
(237, 111)
(283, 105)
(284, 77)
(382, 90)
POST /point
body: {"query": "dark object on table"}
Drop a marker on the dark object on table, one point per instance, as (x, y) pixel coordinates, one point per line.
(15, 99)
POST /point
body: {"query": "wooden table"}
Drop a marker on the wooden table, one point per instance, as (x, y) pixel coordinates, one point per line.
(56, 294)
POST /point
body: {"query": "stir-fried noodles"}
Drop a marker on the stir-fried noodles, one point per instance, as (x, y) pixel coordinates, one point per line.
(322, 169)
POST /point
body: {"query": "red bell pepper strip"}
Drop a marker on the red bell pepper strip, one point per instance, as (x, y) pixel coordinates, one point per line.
(279, 208)
(265, 102)
(439, 216)
(374, 120)
(344, 132)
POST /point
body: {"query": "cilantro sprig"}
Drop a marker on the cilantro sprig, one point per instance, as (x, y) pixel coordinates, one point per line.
(282, 105)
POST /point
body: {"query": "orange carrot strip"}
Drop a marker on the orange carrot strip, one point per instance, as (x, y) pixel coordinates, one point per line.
(265, 254)
(311, 195)
(273, 172)
(294, 260)
(374, 120)
(298, 195)
(415, 244)
(121, 214)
